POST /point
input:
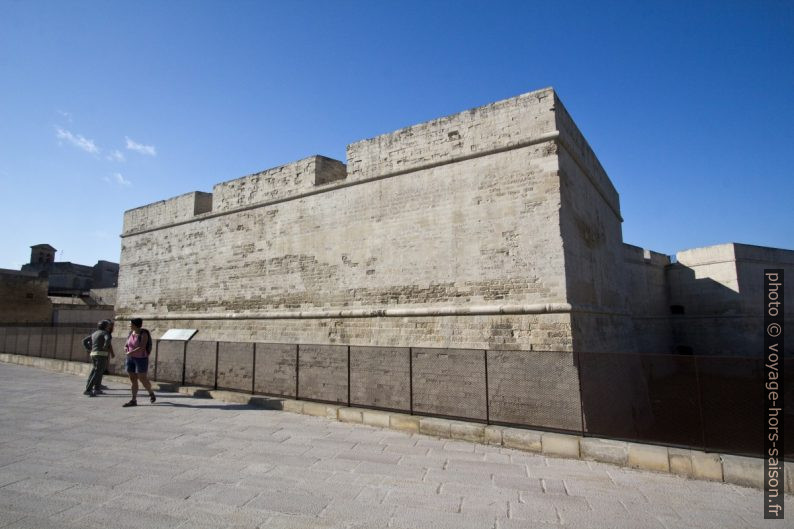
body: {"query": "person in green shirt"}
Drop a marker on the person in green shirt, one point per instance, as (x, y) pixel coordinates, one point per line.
(100, 344)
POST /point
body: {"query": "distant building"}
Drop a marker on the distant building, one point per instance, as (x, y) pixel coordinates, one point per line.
(49, 292)
(23, 298)
(70, 279)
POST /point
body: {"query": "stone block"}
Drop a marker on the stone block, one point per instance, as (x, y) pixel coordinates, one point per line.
(493, 435)
(561, 445)
(706, 466)
(196, 392)
(467, 431)
(680, 461)
(230, 396)
(527, 440)
(376, 418)
(349, 415)
(267, 403)
(433, 426)
(315, 409)
(789, 471)
(604, 450)
(293, 406)
(405, 423)
(746, 471)
(649, 457)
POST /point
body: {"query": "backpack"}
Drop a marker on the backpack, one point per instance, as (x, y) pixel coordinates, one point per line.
(145, 332)
(87, 343)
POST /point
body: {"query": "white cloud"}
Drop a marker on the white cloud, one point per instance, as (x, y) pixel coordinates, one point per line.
(116, 156)
(77, 140)
(119, 179)
(148, 150)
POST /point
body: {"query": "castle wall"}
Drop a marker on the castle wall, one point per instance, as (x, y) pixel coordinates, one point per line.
(645, 288)
(720, 290)
(590, 225)
(443, 233)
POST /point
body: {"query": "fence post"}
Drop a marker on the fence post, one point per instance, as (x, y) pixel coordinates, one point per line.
(297, 369)
(71, 343)
(578, 363)
(156, 357)
(487, 403)
(253, 370)
(411, 380)
(348, 376)
(215, 382)
(184, 361)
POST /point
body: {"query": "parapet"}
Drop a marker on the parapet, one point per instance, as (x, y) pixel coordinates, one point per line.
(498, 126)
(288, 180)
(174, 210)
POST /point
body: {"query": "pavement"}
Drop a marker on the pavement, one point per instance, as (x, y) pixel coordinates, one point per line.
(69, 461)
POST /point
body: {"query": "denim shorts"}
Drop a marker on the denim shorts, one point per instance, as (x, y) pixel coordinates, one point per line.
(137, 365)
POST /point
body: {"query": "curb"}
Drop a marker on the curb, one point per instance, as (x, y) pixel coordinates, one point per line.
(694, 464)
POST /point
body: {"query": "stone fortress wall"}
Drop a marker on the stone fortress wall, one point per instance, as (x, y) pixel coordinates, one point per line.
(493, 228)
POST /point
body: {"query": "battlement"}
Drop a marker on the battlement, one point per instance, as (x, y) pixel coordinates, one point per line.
(506, 124)
(292, 179)
(174, 210)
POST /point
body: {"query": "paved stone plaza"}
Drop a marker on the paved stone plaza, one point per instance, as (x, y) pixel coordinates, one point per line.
(67, 460)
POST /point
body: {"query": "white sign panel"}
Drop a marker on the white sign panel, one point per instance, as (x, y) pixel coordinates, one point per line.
(179, 334)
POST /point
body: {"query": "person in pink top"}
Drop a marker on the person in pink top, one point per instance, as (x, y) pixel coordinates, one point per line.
(137, 362)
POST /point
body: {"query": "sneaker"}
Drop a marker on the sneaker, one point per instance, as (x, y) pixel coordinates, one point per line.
(133, 402)
(87, 392)
(92, 394)
(99, 392)
(102, 386)
(152, 398)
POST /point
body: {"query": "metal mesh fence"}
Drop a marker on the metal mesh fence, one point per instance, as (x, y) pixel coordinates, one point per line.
(641, 397)
(323, 372)
(48, 342)
(200, 360)
(450, 383)
(275, 369)
(68, 343)
(380, 377)
(235, 365)
(168, 356)
(34, 341)
(732, 394)
(534, 389)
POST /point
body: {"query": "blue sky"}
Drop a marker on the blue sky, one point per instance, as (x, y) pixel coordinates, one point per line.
(106, 106)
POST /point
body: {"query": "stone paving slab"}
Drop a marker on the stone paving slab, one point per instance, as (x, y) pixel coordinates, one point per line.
(71, 461)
